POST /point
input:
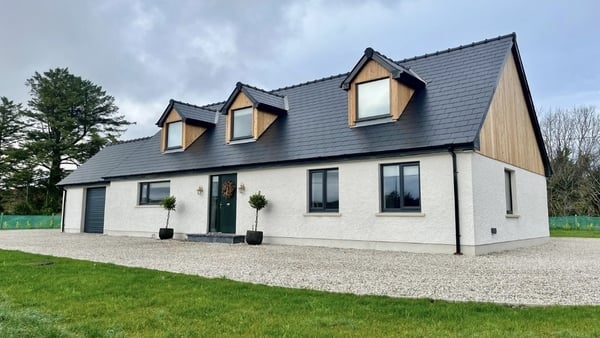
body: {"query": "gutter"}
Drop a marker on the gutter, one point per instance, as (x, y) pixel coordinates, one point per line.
(456, 207)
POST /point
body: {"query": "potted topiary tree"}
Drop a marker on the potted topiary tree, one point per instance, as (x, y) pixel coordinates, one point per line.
(169, 204)
(256, 201)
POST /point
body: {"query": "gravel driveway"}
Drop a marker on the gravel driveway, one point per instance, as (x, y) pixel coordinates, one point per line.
(563, 271)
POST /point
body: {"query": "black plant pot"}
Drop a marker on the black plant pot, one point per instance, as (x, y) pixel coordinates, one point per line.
(254, 237)
(165, 233)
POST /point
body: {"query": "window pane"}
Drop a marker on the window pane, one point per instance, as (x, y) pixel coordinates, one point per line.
(332, 190)
(316, 198)
(242, 122)
(373, 98)
(412, 196)
(174, 137)
(144, 193)
(158, 191)
(508, 191)
(391, 187)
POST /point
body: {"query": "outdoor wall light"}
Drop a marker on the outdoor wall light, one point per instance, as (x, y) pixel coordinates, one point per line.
(242, 187)
(200, 190)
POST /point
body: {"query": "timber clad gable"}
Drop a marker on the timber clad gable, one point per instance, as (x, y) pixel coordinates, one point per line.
(508, 133)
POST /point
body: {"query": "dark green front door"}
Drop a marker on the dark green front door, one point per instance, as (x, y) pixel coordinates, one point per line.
(223, 192)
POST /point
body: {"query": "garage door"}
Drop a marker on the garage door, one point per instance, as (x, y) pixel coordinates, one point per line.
(94, 210)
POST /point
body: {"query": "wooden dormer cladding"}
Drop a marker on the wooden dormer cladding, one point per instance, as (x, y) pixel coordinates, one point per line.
(508, 133)
(400, 94)
(373, 66)
(190, 133)
(266, 107)
(194, 122)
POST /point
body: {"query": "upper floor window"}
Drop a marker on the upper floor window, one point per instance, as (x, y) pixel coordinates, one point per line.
(324, 190)
(174, 135)
(153, 192)
(400, 187)
(509, 191)
(241, 121)
(373, 98)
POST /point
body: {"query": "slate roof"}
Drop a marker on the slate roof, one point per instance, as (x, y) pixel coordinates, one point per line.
(103, 162)
(260, 98)
(448, 112)
(398, 71)
(190, 114)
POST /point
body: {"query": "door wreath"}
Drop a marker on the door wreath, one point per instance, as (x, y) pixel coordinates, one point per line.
(227, 189)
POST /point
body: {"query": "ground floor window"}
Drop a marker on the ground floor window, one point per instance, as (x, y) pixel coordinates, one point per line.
(324, 190)
(509, 191)
(400, 187)
(153, 192)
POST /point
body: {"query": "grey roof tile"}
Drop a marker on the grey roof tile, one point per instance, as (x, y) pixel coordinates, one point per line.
(260, 98)
(190, 114)
(448, 111)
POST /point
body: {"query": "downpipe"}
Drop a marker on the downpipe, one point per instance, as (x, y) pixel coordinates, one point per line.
(456, 208)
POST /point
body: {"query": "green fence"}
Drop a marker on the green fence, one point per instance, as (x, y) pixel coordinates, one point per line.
(29, 222)
(575, 223)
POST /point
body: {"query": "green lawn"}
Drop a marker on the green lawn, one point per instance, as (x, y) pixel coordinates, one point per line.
(574, 233)
(43, 296)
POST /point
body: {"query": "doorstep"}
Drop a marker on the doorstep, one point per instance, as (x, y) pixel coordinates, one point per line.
(216, 237)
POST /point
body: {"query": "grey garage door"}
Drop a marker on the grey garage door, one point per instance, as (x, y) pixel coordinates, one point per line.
(94, 210)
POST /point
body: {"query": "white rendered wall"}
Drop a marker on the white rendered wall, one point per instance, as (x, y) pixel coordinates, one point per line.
(530, 220)
(359, 222)
(74, 208)
(125, 217)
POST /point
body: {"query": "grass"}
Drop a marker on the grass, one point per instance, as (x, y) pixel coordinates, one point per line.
(43, 296)
(574, 233)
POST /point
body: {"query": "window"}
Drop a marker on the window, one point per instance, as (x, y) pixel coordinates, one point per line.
(400, 187)
(324, 190)
(508, 191)
(153, 192)
(241, 121)
(174, 135)
(373, 99)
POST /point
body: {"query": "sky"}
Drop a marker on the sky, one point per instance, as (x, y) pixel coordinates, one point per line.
(146, 52)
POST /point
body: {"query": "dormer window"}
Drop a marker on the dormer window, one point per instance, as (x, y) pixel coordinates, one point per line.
(174, 135)
(250, 111)
(373, 99)
(182, 124)
(379, 89)
(241, 123)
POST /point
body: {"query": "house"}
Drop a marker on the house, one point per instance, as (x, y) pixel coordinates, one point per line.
(436, 153)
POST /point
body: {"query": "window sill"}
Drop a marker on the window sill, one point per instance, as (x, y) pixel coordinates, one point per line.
(173, 150)
(399, 214)
(372, 122)
(512, 216)
(242, 140)
(322, 214)
(151, 206)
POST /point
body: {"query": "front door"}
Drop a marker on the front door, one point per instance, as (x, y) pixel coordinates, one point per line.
(223, 192)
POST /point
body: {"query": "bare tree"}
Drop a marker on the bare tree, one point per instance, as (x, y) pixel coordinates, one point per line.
(572, 138)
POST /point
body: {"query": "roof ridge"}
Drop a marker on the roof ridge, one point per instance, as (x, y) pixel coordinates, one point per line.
(128, 141)
(311, 82)
(193, 105)
(259, 89)
(472, 44)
